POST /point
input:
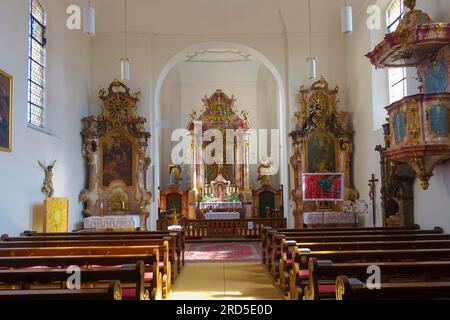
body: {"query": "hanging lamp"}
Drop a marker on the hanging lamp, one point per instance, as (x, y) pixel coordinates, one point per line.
(125, 62)
(89, 20)
(311, 62)
(347, 18)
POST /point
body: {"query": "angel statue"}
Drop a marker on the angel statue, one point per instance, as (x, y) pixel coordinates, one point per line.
(175, 174)
(47, 187)
(264, 170)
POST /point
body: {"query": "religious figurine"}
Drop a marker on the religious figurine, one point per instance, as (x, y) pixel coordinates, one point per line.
(264, 173)
(47, 187)
(175, 174)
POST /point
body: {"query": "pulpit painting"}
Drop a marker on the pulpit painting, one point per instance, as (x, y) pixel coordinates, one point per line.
(117, 160)
(321, 152)
(323, 187)
(5, 111)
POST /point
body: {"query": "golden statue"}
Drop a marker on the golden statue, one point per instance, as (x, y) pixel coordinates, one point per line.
(410, 4)
(263, 173)
(175, 174)
(47, 187)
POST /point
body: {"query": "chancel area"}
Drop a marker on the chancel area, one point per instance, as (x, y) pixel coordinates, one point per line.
(238, 149)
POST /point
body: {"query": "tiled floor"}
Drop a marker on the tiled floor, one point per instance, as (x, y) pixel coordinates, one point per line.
(225, 281)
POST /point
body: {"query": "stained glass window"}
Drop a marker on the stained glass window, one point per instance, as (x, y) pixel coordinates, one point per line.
(36, 65)
(397, 76)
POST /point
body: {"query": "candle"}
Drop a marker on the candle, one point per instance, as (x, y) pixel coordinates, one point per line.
(123, 205)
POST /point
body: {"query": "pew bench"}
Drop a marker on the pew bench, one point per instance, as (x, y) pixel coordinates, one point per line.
(275, 254)
(180, 237)
(300, 260)
(101, 243)
(152, 276)
(285, 263)
(323, 274)
(354, 289)
(97, 250)
(36, 278)
(112, 292)
(176, 253)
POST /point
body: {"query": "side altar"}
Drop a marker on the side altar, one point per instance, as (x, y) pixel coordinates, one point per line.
(115, 148)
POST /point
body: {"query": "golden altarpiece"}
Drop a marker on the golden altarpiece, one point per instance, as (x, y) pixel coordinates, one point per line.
(222, 185)
(115, 148)
(322, 143)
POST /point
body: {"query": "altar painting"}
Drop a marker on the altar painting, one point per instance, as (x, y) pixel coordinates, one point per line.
(321, 152)
(117, 160)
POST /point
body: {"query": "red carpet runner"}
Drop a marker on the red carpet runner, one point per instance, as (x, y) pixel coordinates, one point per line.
(223, 252)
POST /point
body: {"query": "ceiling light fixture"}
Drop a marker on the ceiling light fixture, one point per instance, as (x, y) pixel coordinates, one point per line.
(311, 62)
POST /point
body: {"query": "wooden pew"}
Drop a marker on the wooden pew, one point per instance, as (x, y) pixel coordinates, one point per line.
(112, 292)
(353, 289)
(323, 274)
(271, 231)
(28, 278)
(150, 260)
(97, 251)
(176, 242)
(275, 255)
(285, 264)
(181, 237)
(300, 260)
(79, 242)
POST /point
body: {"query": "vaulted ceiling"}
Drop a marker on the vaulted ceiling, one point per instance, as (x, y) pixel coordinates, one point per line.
(231, 17)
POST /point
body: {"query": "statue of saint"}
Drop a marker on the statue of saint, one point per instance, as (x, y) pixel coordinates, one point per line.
(47, 187)
(175, 174)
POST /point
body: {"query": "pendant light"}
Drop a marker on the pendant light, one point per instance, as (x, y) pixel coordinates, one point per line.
(125, 62)
(347, 18)
(89, 20)
(311, 62)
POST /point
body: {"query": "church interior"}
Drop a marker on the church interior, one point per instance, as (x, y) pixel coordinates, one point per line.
(225, 150)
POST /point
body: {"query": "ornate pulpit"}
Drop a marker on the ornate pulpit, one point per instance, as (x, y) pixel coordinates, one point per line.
(418, 133)
(322, 143)
(115, 148)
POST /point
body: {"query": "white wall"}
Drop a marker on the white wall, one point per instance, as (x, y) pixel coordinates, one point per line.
(368, 95)
(68, 82)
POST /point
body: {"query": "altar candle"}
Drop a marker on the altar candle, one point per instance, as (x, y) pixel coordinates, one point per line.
(123, 205)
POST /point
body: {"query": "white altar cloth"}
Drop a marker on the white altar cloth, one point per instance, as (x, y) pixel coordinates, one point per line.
(112, 222)
(330, 218)
(222, 216)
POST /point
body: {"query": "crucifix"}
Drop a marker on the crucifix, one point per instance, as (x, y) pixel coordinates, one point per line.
(372, 194)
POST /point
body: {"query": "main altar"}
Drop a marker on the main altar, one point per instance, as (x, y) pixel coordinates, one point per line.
(220, 203)
(220, 178)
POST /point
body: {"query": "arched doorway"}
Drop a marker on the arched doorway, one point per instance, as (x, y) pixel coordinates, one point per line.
(246, 52)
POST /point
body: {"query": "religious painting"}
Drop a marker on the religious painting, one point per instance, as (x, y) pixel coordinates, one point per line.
(56, 215)
(117, 158)
(321, 152)
(6, 90)
(323, 187)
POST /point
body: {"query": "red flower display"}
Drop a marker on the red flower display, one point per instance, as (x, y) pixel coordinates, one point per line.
(323, 187)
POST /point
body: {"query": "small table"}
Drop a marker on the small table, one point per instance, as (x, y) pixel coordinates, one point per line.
(128, 222)
(330, 218)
